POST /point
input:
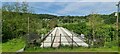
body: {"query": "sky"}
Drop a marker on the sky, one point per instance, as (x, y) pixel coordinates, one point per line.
(71, 7)
(61, 0)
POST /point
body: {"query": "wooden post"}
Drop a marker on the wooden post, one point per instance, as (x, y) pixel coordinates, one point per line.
(117, 22)
(72, 41)
(28, 31)
(51, 40)
(43, 43)
(60, 40)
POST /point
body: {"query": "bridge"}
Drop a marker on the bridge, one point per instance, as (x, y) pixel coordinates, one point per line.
(62, 36)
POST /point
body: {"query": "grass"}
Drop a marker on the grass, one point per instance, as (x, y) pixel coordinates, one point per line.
(0, 47)
(18, 43)
(76, 49)
(13, 45)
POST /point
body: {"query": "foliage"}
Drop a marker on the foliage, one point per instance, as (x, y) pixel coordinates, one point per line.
(52, 23)
(77, 28)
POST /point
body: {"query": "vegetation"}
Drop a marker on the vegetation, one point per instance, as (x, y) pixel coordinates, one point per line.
(13, 45)
(18, 21)
(75, 49)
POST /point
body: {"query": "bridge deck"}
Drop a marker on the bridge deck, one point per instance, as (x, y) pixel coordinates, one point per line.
(66, 38)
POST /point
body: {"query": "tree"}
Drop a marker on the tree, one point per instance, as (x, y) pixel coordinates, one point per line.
(14, 21)
(95, 22)
(53, 23)
(25, 7)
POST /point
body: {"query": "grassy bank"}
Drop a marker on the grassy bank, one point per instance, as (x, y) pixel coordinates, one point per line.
(13, 45)
(76, 49)
(18, 43)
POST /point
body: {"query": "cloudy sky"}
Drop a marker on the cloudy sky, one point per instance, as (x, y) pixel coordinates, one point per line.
(61, 0)
(75, 8)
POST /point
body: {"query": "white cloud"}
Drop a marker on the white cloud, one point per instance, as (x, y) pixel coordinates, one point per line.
(69, 8)
(61, 0)
(76, 6)
(28, 0)
(99, 1)
(88, 7)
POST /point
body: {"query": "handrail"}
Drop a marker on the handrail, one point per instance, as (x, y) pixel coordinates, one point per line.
(54, 37)
(70, 38)
(47, 35)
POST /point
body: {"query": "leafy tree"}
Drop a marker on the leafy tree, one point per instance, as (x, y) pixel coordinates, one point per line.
(95, 22)
(14, 21)
(53, 23)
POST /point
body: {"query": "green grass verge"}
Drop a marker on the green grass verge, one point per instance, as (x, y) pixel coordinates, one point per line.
(18, 43)
(0, 47)
(76, 49)
(13, 45)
